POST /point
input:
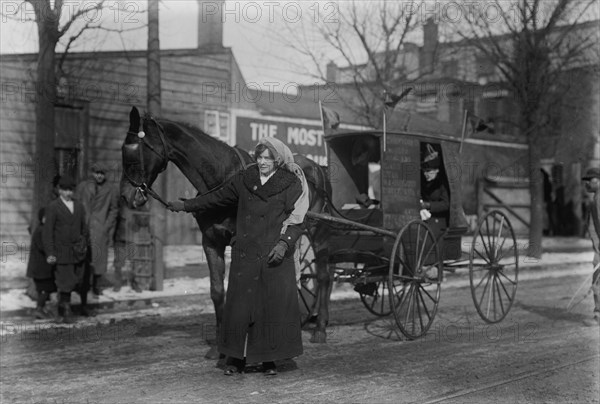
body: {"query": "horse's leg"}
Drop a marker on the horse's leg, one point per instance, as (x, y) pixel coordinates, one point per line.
(215, 256)
(324, 285)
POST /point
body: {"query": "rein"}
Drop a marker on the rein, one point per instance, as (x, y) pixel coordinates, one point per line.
(142, 186)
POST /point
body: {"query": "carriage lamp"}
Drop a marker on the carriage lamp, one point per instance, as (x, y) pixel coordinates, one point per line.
(141, 134)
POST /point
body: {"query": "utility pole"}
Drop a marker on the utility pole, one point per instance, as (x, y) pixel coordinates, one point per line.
(158, 212)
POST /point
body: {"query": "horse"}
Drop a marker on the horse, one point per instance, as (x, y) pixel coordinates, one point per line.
(209, 163)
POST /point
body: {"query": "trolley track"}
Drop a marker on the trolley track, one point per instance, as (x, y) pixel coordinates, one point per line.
(493, 385)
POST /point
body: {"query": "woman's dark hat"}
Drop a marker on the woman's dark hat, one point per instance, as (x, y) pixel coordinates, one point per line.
(432, 159)
(66, 182)
(590, 173)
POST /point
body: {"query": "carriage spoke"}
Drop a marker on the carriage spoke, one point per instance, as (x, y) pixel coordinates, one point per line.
(382, 284)
(507, 278)
(493, 296)
(493, 241)
(482, 257)
(486, 277)
(496, 281)
(505, 290)
(418, 239)
(434, 300)
(484, 246)
(409, 299)
(421, 253)
(425, 304)
(418, 307)
(487, 227)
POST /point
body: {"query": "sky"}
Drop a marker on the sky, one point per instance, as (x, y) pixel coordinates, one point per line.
(251, 29)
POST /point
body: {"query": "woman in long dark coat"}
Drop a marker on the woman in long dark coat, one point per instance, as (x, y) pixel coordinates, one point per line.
(261, 321)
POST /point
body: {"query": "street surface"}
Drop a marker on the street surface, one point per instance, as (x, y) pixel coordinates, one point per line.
(539, 353)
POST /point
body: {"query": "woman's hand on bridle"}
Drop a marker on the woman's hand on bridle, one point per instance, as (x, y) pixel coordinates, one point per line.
(176, 206)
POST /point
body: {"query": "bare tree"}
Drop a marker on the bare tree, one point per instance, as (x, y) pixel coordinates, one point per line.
(55, 20)
(534, 46)
(369, 39)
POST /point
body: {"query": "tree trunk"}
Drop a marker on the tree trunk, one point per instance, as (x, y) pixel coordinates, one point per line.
(44, 162)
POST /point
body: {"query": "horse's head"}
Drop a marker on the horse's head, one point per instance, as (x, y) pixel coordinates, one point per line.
(144, 154)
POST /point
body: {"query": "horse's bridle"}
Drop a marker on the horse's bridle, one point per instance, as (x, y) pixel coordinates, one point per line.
(142, 186)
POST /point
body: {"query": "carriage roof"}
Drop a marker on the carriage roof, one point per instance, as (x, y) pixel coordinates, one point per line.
(400, 168)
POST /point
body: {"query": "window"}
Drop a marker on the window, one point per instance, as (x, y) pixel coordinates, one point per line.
(216, 124)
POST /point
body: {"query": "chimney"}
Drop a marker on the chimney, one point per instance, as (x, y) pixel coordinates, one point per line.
(210, 24)
(430, 43)
(332, 72)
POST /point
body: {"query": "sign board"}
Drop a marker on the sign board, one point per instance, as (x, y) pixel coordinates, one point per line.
(400, 181)
(301, 138)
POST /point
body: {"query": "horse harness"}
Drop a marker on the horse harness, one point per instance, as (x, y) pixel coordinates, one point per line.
(142, 186)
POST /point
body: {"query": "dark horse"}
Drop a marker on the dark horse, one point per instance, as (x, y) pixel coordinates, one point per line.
(209, 163)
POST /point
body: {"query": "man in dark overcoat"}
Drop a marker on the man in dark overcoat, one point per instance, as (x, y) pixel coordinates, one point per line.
(65, 237)
(101, 202)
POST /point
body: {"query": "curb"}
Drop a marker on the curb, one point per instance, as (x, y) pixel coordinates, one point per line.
(115, 306)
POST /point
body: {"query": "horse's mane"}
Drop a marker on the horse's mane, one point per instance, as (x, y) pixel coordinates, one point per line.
(191, 128)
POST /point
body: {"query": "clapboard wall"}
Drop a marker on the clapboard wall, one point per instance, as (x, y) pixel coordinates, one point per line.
(104, 86)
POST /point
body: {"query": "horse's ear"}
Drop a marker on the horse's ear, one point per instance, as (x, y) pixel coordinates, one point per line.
(134, 120)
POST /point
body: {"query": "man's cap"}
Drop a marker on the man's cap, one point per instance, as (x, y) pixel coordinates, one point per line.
(66, 182)
(99, 167)
(593, 172)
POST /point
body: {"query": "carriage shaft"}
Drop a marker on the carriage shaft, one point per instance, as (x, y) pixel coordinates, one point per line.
(360, 226)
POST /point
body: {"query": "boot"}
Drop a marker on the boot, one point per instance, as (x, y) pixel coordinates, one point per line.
(96, 289)
(68, 317)
(40, 313)
(85, 311)
(64, 308)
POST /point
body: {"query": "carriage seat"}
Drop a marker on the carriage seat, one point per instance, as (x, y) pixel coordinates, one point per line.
(370, 217)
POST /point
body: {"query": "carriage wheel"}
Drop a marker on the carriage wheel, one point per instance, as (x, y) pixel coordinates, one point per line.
(375, 298)
(414, 281)
(306, 277)
(493, 267)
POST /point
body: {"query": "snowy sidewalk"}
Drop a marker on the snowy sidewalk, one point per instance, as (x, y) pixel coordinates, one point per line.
(14, 302)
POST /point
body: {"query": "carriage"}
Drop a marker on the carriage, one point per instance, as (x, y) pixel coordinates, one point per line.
(394, 259)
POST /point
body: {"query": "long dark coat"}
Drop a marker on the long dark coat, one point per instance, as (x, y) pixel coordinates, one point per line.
(101, 203)
(63, 230)
(262, 300)
(37, 267)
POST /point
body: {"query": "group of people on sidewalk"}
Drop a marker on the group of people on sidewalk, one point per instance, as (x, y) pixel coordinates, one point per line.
(70, 244)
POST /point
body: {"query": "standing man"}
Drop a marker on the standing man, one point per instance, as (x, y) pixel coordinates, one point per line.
(591, 182)
(100, 200)
(65, 240)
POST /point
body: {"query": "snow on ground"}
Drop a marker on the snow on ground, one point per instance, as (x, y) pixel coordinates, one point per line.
(177, 256)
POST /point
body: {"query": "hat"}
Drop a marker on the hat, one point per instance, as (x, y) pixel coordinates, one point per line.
(99, 167)
(66, 182)
(432, 159)
(592, 172)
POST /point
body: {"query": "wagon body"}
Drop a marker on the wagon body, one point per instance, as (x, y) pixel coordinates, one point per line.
(392, 172)
(394, 259)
